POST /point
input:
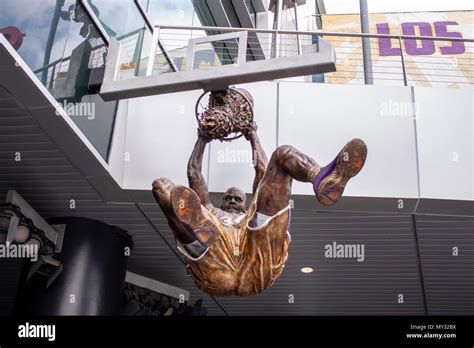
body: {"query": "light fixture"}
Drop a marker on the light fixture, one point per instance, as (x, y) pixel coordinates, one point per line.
(23, 232)
(19, 225)
(12, 219)
(307, 270)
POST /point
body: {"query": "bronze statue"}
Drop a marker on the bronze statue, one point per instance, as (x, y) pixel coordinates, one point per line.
(234, 250)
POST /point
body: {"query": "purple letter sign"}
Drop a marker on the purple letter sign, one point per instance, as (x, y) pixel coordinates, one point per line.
(385, 44)
(427, 46)
(457, 47)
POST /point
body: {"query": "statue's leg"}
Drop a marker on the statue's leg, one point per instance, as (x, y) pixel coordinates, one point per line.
(287, 163)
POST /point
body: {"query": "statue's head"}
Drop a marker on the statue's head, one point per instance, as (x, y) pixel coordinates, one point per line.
(233, 201)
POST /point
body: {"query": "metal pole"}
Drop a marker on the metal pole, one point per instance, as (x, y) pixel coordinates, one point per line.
(277, 27)
(51, 81)
(319, 78)
(297, 26)
(403, 62)
(367, 55)
(138, 51)
(154, 45)
(51, 36)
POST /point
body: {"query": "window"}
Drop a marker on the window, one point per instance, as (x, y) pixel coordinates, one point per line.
(65, 51)
(171, 12)
(252, 11)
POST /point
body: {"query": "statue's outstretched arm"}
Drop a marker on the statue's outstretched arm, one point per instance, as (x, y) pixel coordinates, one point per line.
(259, 157)
(195, 177)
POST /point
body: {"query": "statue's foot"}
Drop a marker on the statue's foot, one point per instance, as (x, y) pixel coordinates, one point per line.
(332, 179)
(187, 206)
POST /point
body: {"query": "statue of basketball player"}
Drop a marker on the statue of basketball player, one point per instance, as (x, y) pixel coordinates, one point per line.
(234, 250)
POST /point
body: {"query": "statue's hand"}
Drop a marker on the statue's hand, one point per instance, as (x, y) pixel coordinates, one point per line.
(252, 130)
(202, 136)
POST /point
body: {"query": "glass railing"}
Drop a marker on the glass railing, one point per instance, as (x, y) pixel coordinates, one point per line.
(397, 60)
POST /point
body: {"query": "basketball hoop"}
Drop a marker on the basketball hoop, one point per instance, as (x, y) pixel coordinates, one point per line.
(228, 115)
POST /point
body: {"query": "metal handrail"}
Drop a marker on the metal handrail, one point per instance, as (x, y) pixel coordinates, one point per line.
(62, 59)
(318, 33)
(405, 64)
(57, 61)
(54, 64)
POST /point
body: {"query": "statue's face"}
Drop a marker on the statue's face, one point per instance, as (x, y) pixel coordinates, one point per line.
(233, 201)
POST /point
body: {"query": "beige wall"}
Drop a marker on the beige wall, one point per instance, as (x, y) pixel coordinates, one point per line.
(437, 69)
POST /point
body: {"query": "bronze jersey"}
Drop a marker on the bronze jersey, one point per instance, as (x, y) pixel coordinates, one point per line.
(241, 260)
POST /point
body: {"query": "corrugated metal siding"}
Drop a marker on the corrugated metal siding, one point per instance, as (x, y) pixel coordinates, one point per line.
(449, 280)
(343, 286)
(10, 270)
(337, 287)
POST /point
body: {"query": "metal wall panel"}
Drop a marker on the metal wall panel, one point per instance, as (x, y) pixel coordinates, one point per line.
(445, 132)
(161, 132)
(319, 119)
(448, 279)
